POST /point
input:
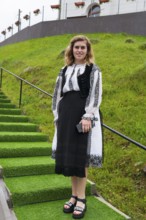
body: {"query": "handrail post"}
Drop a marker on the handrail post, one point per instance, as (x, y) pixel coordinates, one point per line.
(20, 97)
(1, 77)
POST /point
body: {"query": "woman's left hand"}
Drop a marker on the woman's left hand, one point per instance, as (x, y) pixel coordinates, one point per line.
(86, 125)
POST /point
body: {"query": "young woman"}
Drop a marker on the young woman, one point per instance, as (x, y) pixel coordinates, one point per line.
(76, 101)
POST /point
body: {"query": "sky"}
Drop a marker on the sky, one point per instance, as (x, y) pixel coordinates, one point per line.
(9, 13)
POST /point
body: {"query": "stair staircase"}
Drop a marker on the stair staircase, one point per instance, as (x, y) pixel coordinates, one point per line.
(30, 186)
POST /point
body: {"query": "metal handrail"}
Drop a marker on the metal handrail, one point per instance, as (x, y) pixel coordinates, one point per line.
(125, 137)
(21, 80)
(32, 85)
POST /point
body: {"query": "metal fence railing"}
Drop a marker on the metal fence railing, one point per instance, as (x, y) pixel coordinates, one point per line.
(50, 95)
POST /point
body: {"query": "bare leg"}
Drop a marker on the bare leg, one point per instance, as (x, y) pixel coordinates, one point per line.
(81, 187)
(74, 181)
(78, 189)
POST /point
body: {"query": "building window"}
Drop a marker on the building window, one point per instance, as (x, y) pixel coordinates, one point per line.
(94, 11)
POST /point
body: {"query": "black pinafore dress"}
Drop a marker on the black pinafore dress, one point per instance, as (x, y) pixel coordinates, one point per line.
(71, 152)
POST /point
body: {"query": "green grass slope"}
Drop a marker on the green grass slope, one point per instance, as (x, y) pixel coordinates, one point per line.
(22, 169)
(96, 210)
(122, 59)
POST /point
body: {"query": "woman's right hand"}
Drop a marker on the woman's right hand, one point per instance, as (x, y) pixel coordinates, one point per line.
(86, 125)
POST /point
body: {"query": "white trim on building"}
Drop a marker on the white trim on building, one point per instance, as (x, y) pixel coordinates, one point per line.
(93, 8)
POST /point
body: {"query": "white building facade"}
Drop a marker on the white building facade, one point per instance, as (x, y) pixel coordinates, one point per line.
(93, 8)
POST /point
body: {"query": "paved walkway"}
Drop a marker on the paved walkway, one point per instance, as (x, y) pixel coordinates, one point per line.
(5, 212)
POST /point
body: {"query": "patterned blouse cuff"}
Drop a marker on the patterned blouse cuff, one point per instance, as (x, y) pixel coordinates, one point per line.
(88, 116)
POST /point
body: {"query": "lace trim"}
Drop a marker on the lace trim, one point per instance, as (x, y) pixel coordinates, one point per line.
(53, 154)
(54, 104)
(92, 160)
(91, 84)
(96, 88)
(96, 92)
(55, 94)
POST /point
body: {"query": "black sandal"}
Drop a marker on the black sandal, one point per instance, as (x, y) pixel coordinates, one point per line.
(80, 209)
(70, 205)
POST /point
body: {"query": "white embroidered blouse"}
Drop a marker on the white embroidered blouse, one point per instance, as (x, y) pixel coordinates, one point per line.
(71, 84)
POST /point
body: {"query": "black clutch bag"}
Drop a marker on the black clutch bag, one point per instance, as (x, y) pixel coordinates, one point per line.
(79, 127)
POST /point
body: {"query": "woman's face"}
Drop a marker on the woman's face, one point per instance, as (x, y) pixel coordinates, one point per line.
(80, 51)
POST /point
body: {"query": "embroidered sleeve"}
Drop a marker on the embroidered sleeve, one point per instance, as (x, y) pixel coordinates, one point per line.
(94, 98)
(56, 97)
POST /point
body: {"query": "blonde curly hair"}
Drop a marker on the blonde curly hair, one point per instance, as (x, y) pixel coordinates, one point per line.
(69, 57)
